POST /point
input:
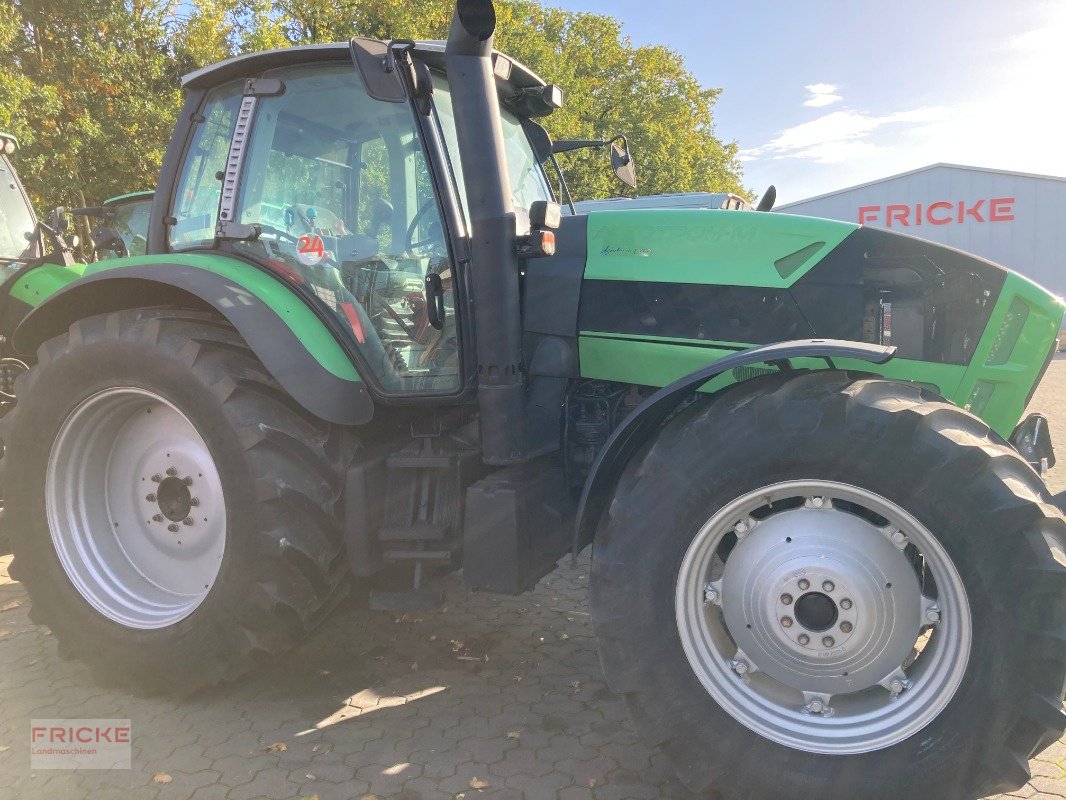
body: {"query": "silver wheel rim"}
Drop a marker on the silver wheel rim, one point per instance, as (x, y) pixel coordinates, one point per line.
(135, 508)
(837, 623)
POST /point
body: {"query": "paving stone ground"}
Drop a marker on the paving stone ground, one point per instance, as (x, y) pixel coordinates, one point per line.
(491, 697)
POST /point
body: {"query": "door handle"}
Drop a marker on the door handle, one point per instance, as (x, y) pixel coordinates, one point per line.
(435, 300)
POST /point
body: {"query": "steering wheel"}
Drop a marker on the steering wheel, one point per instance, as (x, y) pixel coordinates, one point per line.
(410, 245)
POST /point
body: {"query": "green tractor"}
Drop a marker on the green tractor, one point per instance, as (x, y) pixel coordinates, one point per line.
(365, 341)
(19, 240)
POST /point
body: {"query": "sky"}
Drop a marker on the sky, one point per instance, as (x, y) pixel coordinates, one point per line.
(831, 93)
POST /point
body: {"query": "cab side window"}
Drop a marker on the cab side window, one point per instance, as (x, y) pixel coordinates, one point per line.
(196, 200)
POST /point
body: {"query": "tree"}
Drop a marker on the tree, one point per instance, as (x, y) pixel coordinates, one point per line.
(90, 87)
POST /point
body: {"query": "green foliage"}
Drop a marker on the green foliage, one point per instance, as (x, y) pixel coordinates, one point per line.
(90, 87)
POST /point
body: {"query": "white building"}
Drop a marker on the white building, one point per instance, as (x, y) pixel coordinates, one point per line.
(1012, 218)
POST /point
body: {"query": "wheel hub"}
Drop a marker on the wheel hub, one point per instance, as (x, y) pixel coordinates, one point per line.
(813, 629)
(821, 557)
(135, 507)
(174, 499)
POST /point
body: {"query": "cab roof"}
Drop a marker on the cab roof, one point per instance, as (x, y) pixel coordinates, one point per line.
(432, 52)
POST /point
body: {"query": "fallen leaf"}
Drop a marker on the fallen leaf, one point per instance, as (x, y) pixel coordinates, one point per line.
(4, 748)
(161, 777)
(311, 776)
(11, 605)
(276, 747)
(516, 679)
(414, 666)
(575, 686)
(592, 782)
(477, 783)
(316, 748)
(514, 735)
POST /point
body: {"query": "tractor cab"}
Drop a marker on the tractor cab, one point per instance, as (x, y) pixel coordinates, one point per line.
(301, 163)
(18, 226)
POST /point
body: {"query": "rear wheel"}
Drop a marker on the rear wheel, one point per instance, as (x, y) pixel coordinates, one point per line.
(817, 586)
(172, 511)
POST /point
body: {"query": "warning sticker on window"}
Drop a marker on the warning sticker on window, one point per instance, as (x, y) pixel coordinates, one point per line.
(310, 250)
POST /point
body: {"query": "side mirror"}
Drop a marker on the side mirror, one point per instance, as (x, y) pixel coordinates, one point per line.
(57, 220)
(766, 202)
(109, 239)
(622, 162)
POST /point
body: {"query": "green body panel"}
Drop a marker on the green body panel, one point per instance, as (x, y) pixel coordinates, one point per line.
(1011, 354)
(39, 284)
(657, 362)
(708, 246)
(746, 249)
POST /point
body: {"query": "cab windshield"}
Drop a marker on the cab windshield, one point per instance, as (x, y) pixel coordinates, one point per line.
(16, 218)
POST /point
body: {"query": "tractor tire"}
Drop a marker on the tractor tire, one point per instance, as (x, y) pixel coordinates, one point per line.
(173, 512)
(718, 585)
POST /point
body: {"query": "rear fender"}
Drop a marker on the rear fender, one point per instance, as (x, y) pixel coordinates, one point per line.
(650, 415)
(294, 345)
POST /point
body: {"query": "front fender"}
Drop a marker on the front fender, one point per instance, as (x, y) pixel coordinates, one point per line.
(294, 345)
(650, 415)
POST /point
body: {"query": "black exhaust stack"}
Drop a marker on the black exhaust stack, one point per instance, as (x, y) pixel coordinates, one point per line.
(494, 272)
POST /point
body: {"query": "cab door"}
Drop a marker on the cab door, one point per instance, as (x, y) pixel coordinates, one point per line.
(338, 189)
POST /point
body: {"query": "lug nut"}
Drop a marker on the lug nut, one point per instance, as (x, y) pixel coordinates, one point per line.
(740, 667)
(150, 498)
(845, 604)
(171, 472)
(786, 599)
(187, 521)
(803, 639)
(187, 481)
(828, 641)
(194, 501)
(158, 517)
(786, 622)
(828, 586)
(710, 594)
(157, 478)
(845, 627)
(932, 614)
(173, 527)
(896, 687)
(804, 584)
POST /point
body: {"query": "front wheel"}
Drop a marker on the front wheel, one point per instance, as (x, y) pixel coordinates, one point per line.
(172, 511)
(817, 586)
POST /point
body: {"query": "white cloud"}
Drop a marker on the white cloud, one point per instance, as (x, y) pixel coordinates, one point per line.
(821, 94)
(839, 135)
